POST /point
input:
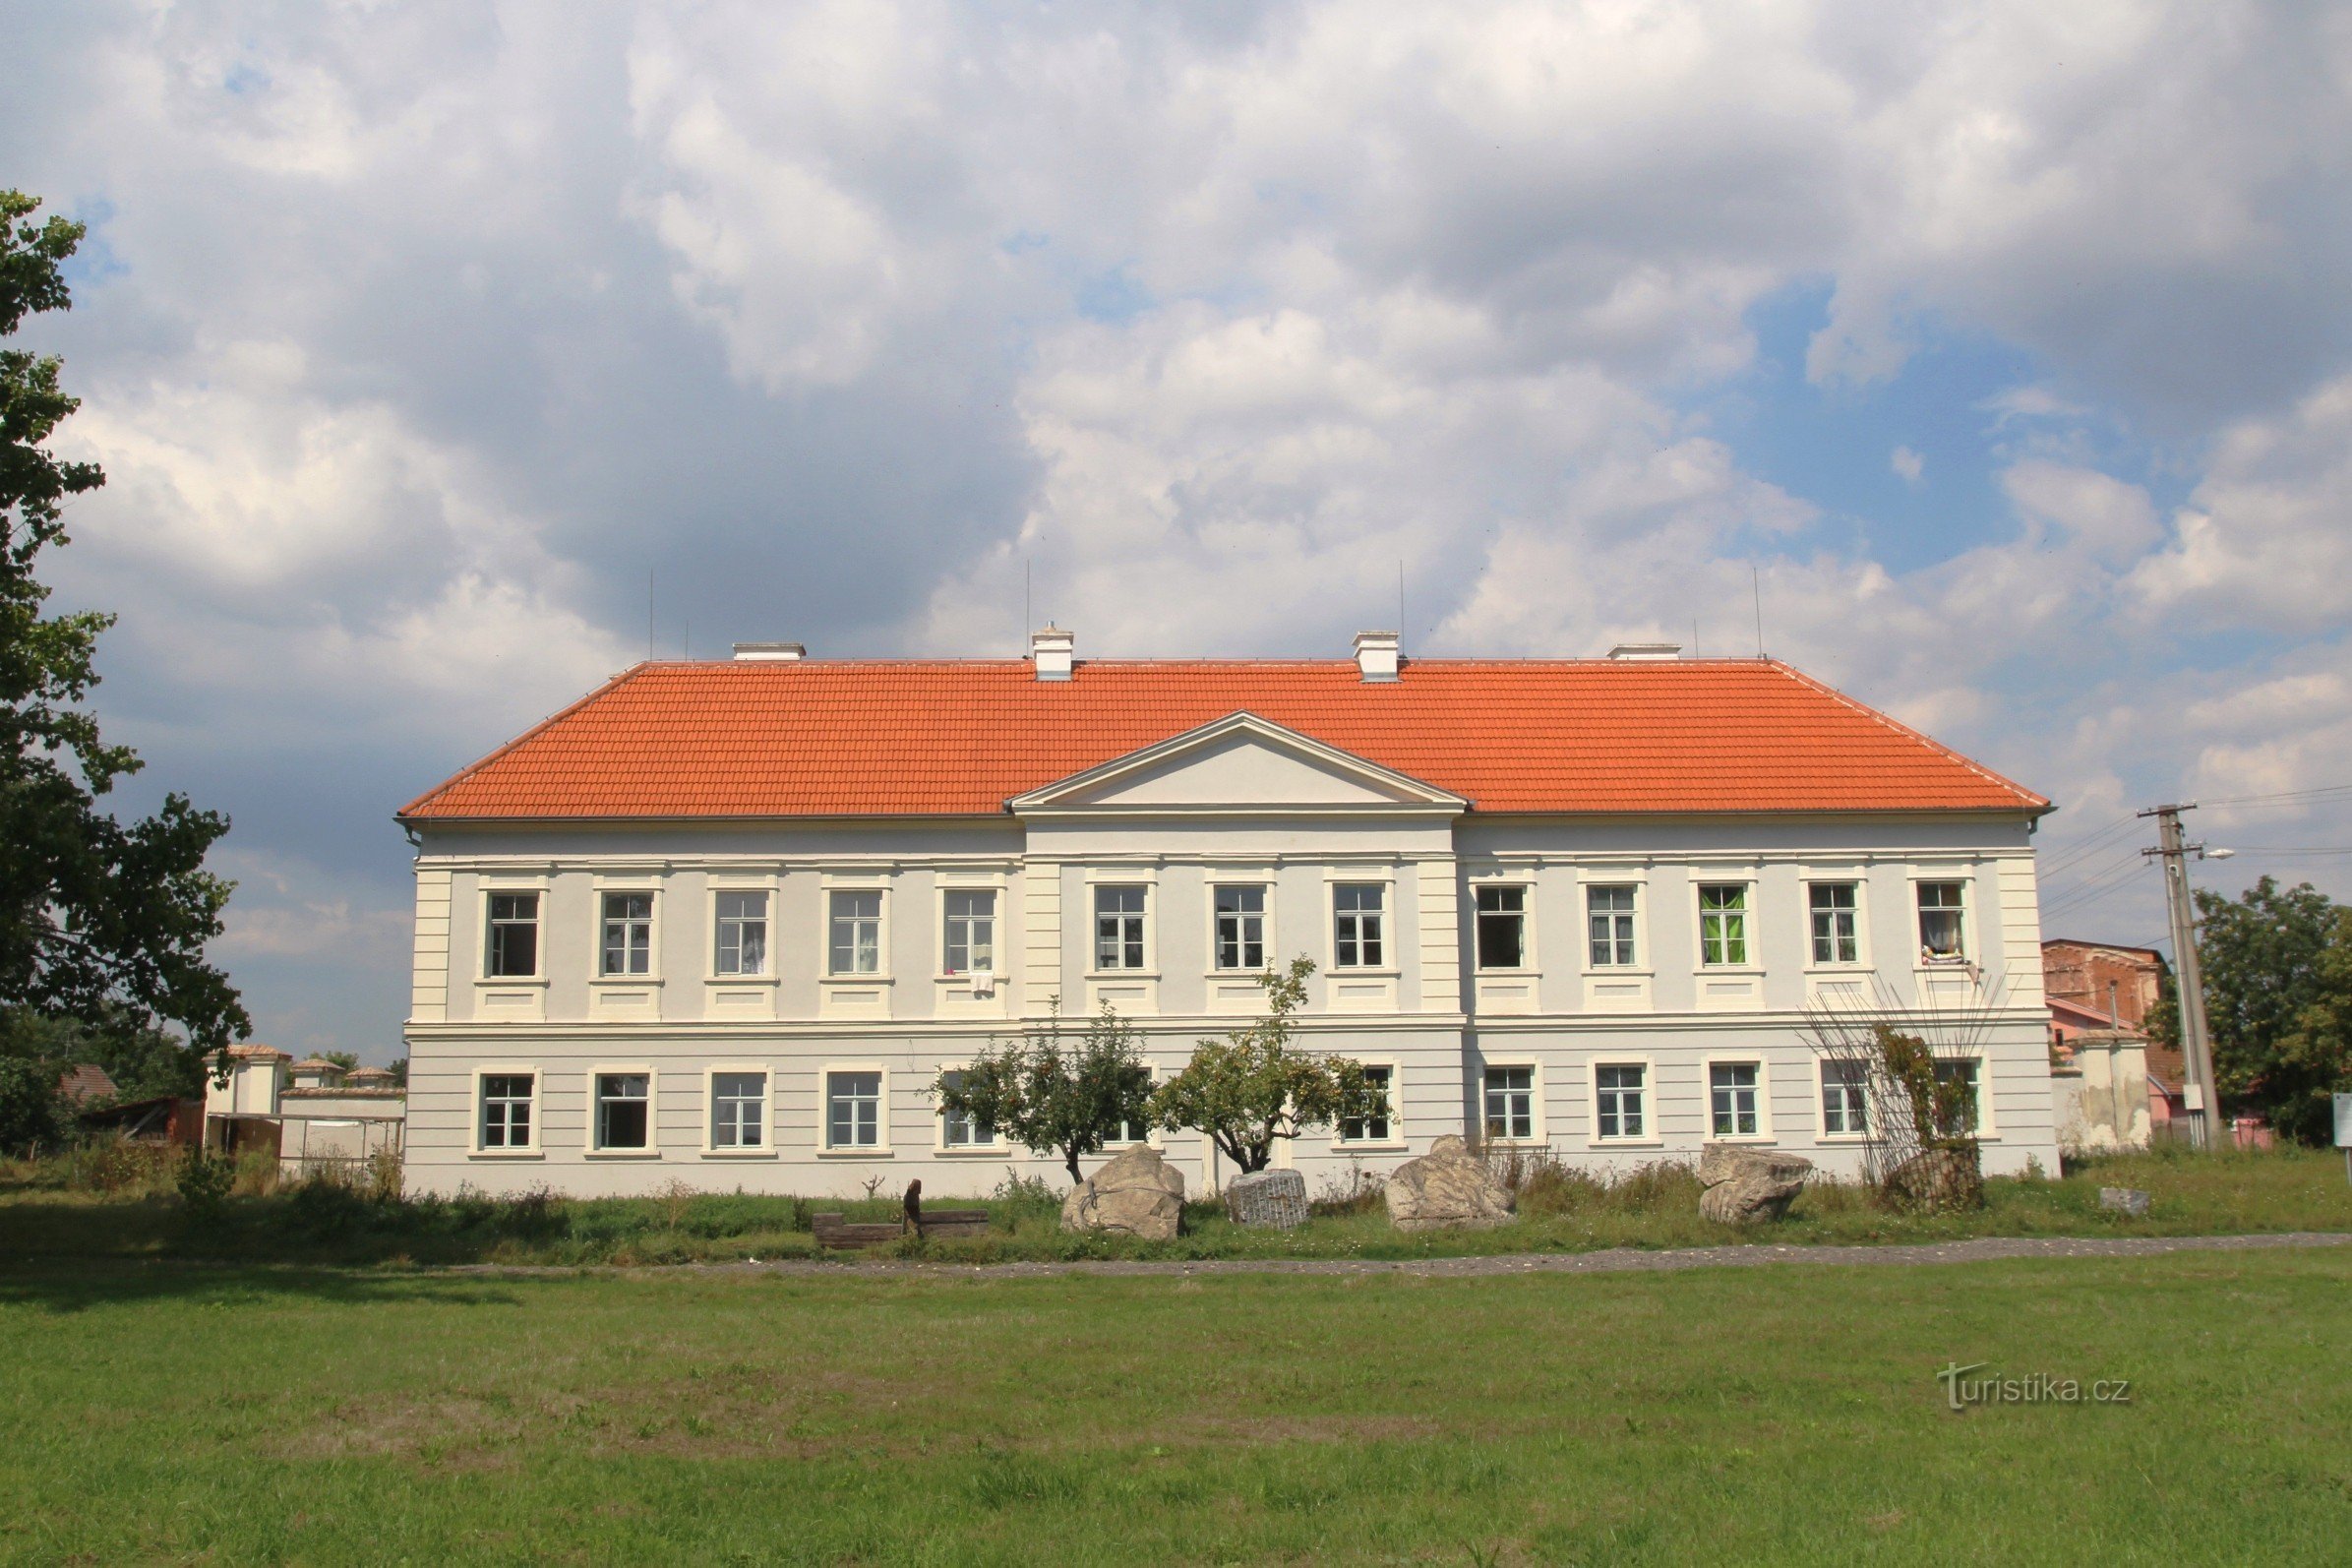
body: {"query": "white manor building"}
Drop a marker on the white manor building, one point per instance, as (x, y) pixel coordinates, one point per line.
(724, 923)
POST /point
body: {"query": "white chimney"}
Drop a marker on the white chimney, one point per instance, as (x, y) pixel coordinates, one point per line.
(1376, 654)
(770, 652)
(1646, 650)
(1054, 649)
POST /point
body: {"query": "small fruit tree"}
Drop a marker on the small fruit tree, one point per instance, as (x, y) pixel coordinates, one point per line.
(1255, 1087)
(1055, 1093)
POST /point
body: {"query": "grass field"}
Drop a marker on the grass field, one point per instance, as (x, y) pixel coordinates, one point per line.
(175, 1412)
(43, 1216)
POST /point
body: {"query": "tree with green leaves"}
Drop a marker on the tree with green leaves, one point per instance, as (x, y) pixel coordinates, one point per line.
(1052, 1093)
(99, 919)
(1256, 1087)
(2277, 968)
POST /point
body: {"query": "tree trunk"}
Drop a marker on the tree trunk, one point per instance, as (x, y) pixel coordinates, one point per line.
(1069, 1157)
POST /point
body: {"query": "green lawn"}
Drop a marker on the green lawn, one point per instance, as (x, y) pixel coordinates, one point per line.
(167, 1410)
(43, 1216)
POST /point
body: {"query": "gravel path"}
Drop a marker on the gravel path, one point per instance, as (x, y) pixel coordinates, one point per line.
(1616, 1260)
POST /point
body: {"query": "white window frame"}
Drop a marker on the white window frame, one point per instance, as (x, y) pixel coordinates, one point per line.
(1861, 886)
(1529, 963)
(1538, 1126)
(941, 893)
(1094, 926)
(1391, 924)
(1764, 1096)
(1821, 1103)
(1964, 879)
(711, 1147)
(1396, 1111)
(729, 889)
(536, 1148)
(1268, 948)
(635, 1069)
(993, 1149)
(1750, 933)
(826, 1149)
(882, 934)
(1650, 1137)
(652, 974)
(509, 888)
(1986, 1130)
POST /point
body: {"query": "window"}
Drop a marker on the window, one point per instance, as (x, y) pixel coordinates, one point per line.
(1723, 924)
(1356, 909)
(1617, 1095)
(623, 1100)
(1118, 926)
(1940, 923)
(1502, 928)
(1241, 928)
(1967, 1073)
(628, 934)
(742, 934)
(1836, 940)
(971, 945)
(506, 1110)
(960, 1131)
(1510, 1102)
(1610, 910)
(853, 1109)
(1844, 1099)
(738, 1107)
(856, 946)
(514, 935)
(1372, 1128)
(1731, 1088)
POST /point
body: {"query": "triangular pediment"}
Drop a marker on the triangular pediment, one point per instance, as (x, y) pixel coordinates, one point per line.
(1240, 762)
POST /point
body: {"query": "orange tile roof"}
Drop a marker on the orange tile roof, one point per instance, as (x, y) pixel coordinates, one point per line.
(858, 738)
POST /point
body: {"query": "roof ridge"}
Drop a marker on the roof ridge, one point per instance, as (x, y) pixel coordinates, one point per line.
(1904, 730)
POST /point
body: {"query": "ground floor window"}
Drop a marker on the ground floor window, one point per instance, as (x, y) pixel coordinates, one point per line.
(1510, 1102)
(960, 1131)
(506, 1110)
(623, 1106)
(737, 1110)
(1968, 1073)
(1731, 1089)
(1372, 1128)
(853, 1109)
(1620, 1089)
(1844, 1099)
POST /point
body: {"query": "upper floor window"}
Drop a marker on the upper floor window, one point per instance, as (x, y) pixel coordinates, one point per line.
(1241, 927)
(1372, 1127)
(970, 947)
(1940, 938)
(742, 934)
(514, 935)
(1723, 923)
(1118, 926)
(1837, 938)
(856, 944)
(1502, 928)
(1609, 911)
(628, 934)
(1359, 924)
(506, 1110)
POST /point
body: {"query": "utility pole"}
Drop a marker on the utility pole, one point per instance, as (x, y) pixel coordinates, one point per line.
(2205, 1105)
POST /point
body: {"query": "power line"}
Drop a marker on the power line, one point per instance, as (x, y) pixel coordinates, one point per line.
(2089, 847)
(2281, 797)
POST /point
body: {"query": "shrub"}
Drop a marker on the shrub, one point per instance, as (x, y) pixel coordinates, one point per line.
(1027, 1197)
(205, 1182)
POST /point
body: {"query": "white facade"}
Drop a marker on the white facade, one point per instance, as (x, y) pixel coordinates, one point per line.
(824, 1047)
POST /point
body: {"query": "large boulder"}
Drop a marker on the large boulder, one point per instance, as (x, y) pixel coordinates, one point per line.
(1136, 1195)
(1744, 1185)
(1448, 1188)
(1935, 1181)
(1276, 1198)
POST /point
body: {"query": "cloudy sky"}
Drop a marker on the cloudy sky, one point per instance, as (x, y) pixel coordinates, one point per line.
(444, 357)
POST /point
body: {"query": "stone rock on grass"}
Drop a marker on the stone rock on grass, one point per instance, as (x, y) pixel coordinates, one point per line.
(2124, 1200)
(1746, 1186)
(1275, 1198)
(1136, 1195)
(1935, 1181)
(1447, 1188)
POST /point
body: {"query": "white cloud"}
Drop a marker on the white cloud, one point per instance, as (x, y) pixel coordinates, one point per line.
(1907, 465)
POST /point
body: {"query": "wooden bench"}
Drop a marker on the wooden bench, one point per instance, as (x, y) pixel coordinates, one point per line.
(837, 1234)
